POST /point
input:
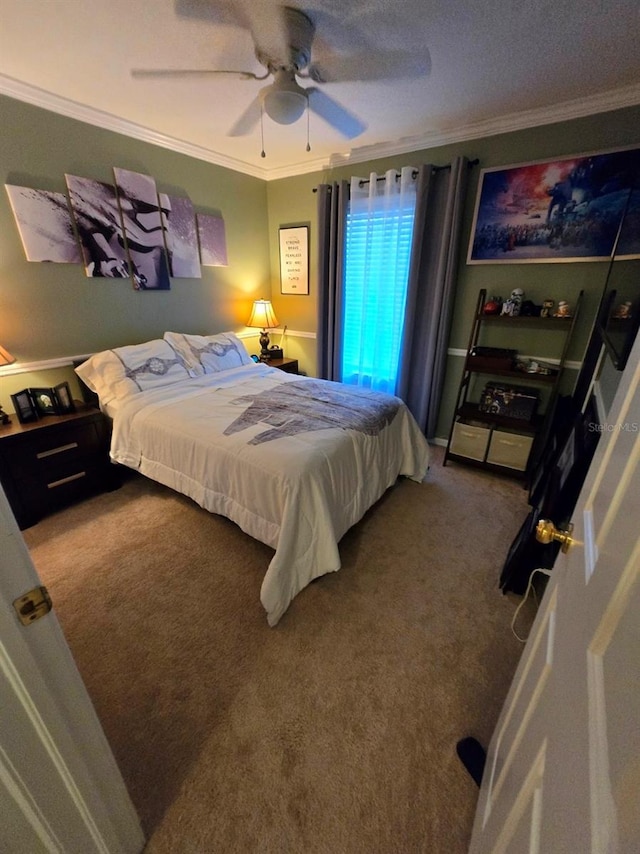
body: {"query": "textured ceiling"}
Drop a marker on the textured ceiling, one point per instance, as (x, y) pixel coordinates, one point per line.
(432, 70)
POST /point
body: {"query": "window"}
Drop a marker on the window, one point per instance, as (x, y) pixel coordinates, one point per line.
(378, 247)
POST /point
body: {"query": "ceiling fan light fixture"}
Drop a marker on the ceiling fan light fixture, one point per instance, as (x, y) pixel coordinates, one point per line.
(284, 106)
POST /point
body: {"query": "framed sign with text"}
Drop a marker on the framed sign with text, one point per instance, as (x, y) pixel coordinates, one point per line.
(294, 260)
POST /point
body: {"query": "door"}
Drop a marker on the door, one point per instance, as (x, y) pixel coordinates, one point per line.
(60, 788)
(563, 768)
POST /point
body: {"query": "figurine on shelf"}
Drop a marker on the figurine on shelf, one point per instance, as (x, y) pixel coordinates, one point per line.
(4, 418)
(623, 311)
(547, 306)
(530, 309)
(492, 305)
(563, 310)
(511, 307)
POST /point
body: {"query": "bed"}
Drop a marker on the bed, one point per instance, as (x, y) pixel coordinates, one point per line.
(294, 461)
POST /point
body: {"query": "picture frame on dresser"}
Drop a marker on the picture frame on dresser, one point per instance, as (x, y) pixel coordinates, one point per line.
(44, 400)
(25, 407)
(64, 399)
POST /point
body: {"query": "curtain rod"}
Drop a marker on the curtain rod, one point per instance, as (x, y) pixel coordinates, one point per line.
(414, 174)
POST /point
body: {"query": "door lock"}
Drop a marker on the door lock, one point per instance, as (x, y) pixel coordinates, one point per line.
(33, 605)
(546, 532)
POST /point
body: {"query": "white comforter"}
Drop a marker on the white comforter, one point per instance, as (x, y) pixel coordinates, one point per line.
(294, 482)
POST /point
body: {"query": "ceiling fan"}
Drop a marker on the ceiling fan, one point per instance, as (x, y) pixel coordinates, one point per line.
(283, 47)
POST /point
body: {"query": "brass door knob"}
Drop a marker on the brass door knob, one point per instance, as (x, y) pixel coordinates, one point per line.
(546, 532)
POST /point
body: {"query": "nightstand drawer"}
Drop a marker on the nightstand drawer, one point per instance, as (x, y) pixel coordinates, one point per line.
(61, 486)
(44, 449)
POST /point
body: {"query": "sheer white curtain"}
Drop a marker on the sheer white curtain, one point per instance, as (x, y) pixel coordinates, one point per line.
(378, 250)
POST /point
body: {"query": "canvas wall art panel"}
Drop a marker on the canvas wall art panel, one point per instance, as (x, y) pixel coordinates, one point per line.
(97, 217)
(213, 241)
(179, 221)
(143, 229)
(567, 209)
(45, 225)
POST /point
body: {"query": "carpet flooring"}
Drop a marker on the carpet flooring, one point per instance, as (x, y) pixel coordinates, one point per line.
(332, 733)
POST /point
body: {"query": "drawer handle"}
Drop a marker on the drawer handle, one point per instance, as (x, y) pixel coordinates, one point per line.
(510, 444)
(469, 435)
(64, 480)
(59, 450)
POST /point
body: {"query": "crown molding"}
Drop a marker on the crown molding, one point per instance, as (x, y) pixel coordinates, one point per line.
(293, 169)
(90, 115)
(602, 102)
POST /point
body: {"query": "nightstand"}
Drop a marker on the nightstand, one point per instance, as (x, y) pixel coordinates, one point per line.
(52, 462)
(289, 366)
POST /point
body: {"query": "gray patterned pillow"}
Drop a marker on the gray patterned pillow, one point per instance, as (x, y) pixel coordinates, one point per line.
(208, 354)
(119, 373)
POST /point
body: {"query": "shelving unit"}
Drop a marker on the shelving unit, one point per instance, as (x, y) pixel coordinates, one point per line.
(495, 441)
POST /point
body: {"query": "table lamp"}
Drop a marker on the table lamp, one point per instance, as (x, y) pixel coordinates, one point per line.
(263, 317)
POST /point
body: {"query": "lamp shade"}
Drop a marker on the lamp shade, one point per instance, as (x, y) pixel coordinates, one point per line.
(284, 100)
(5, 357)
(284, 107)
(262, 315)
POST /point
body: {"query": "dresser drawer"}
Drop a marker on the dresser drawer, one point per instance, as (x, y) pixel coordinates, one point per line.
(50, 448)
(469, 441)
(61, 486)
(509, 449)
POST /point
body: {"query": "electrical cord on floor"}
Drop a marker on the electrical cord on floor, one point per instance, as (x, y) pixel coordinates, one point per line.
(546, 572)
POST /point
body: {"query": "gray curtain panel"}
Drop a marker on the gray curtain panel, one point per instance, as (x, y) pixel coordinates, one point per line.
(430, 297)
(332, 213)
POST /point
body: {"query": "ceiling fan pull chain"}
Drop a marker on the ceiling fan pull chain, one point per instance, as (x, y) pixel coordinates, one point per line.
(308, 146)
(262, 153)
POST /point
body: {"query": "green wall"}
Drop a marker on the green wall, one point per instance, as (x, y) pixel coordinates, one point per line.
(291, 200)
(54, 310)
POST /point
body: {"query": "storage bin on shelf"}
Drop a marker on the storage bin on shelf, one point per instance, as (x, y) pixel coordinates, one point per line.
(509, 449)
(470, 441)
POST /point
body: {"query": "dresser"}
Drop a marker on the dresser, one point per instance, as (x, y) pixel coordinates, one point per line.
(55, 461)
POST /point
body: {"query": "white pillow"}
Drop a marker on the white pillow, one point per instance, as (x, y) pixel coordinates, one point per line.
(207, 354)
(119, 373)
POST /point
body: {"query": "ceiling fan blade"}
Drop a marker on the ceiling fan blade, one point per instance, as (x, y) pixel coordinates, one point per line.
(268, 30)
(266, 23)
(248, 120)
(191, 72)
(334, 114)
(213, 11)
(365, 66)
